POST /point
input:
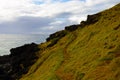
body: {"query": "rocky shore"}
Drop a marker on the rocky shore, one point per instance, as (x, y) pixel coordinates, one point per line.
(18, 62)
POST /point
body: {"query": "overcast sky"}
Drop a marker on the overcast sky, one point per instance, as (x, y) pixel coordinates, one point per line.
(46, 16)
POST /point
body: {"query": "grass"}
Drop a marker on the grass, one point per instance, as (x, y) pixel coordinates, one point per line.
(89, 53)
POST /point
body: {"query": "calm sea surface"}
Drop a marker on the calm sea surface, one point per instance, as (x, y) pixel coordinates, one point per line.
(8, 41)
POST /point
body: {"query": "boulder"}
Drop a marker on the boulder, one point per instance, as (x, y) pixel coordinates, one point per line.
(71, 28)
(93, 18)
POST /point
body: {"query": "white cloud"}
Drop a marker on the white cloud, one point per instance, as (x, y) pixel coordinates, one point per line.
(56, 22)
(76, 10)
(76, 19)
(10, 9)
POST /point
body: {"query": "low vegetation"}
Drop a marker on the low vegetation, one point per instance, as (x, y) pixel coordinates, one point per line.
(88, 51)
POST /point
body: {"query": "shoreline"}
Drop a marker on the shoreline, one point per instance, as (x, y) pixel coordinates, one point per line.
(15, 64)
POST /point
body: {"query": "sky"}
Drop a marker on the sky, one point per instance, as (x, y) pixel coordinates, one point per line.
(46, 16)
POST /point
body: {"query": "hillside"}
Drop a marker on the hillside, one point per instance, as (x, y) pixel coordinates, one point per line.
(87, 51)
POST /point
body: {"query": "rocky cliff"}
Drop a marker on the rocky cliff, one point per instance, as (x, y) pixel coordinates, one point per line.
(86, 51)
(18, 62)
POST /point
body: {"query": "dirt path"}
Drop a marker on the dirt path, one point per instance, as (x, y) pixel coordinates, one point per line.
(66, 53)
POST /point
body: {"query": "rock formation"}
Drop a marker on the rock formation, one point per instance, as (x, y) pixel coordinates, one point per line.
(18, 62)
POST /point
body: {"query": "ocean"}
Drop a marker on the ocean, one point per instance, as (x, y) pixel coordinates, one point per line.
(8, 41)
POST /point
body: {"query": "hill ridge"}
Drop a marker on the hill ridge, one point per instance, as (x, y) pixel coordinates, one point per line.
(85, 51)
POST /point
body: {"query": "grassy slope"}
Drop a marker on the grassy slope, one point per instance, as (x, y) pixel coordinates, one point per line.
(89, 53)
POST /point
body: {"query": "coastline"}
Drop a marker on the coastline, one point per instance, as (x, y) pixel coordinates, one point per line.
(19, 60)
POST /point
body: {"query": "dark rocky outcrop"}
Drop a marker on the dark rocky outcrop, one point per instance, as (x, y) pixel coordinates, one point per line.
(19, 61)
(5, 67)
(71, 28)
(82, 23)
(58, 34)
(93, 18)
(54, 38)
(23, 57)
(4, 75)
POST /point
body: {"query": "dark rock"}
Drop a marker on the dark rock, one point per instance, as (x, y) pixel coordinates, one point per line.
(71, 28)
(53, 42)
(58, 34)
(55, 37)
(4, 76)
(5, 63)
(83, 23)
(93, 18)
(18, 62)
(22, 58)
(4, 59)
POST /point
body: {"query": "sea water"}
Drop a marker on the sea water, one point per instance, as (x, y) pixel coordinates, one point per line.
(8, 41)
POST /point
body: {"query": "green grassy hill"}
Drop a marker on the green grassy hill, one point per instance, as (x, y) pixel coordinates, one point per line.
(88, 51)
